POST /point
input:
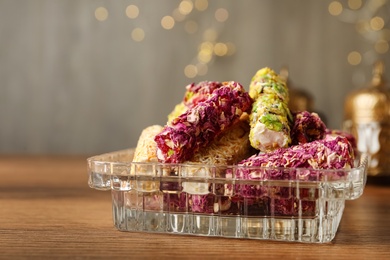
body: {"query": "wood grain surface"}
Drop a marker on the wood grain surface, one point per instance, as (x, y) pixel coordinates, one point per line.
(47, 211)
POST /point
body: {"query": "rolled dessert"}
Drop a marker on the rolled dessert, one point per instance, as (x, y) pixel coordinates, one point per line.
(194, 94)
(200, 125)
(332, 152)
(307, 127)
(229, 148)
(302, 162)
(351, 138)
(270, 118)
(266, 81)
(144, 153)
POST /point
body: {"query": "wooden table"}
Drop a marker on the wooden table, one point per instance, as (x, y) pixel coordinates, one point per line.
(47, 210)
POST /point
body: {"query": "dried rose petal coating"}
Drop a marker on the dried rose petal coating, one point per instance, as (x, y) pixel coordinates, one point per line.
(351, 138)
(332, 152)
(307, 127)
(198, 126)
(194, 94)
(199, 92)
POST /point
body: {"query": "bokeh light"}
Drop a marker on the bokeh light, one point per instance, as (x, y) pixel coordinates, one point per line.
(206, 46)
(167, 22)
(185, 7)
(205, 55)
(201, 5)
(191, 27)
(377, 23)
(210, 47)
(220, 49)
(101, 14)
(138, 34)
(335, 8)
(221, 15)
(132, 11)
(354, 58)
(355, 4)
(190, 71)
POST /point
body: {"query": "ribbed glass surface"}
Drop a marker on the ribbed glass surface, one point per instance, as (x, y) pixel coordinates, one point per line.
(303, 205)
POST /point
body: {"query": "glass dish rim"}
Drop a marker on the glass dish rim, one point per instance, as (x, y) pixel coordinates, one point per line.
(99, 160)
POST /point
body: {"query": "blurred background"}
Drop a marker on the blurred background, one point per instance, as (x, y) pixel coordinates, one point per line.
(85, 77)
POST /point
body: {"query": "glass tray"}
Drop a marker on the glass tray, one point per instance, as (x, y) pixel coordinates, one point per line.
(206, 200)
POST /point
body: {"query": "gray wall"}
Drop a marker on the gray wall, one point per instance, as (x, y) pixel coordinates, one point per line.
(70, 84)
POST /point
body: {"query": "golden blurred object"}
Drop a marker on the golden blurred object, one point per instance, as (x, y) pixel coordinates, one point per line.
(300, 100)
(367, 117)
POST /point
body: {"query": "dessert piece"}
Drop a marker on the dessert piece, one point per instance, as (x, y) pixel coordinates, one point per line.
(177, 111)
(266, 81)
(200, 125)
(194, 94)
(146, 152)
(351, 138)
(229, 148)
(332, 152)
(296, 163)
(270, 117)
(146, 148)
(307, 127)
